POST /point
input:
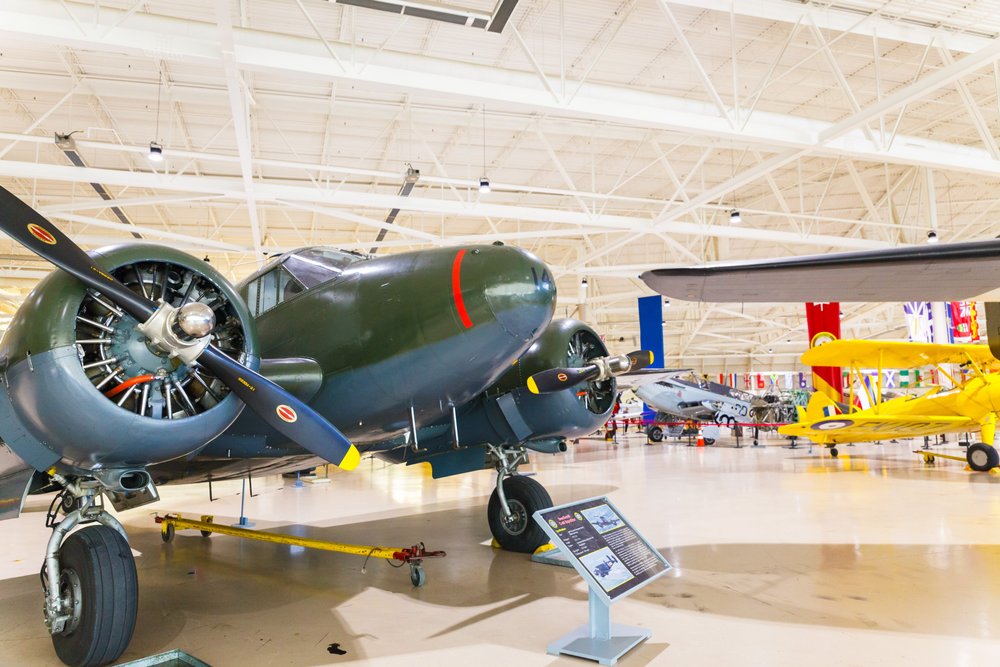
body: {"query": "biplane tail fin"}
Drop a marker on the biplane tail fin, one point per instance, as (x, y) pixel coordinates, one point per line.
(820, 406)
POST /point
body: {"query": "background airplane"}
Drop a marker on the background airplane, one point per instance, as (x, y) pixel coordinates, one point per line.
(939, 272)
(130, 367)
(969, 406)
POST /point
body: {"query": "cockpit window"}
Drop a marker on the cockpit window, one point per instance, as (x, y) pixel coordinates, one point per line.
(314, 266)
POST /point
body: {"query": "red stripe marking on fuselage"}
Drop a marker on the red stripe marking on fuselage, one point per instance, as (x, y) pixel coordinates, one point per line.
(456, 289)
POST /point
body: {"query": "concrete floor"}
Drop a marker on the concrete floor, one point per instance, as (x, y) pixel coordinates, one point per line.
(781, 557)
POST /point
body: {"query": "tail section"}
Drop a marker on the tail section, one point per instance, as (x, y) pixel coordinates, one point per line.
(820, 406)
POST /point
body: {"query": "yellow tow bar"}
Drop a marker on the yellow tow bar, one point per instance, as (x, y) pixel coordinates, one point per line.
(413, 556)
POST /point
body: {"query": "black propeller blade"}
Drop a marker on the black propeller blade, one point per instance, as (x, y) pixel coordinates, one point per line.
(27, 226)
(287, 414)
(556, 379)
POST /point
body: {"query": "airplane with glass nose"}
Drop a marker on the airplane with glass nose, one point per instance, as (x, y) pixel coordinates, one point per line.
(130, 367)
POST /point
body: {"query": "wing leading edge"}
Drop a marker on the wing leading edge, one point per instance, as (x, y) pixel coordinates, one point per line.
(943, 272)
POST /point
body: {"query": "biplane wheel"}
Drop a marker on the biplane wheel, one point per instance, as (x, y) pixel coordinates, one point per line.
(982, 457)
(98, 573)
(833, 452)
(655, 433)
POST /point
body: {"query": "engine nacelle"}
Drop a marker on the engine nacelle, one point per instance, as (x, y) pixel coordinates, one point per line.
(521, 416)
(83, 386)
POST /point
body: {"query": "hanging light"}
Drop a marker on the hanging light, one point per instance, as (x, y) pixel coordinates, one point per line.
(583, 284)
(932, 237)
(735, 218)
(484, 181)
(155, 152)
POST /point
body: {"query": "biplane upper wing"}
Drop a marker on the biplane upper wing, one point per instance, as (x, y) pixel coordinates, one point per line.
(897, 354)
(865, 427)
(939, 272)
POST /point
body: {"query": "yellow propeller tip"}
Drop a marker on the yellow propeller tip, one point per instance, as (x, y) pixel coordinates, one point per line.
(650, 357)
(351, 459)
(532, 387)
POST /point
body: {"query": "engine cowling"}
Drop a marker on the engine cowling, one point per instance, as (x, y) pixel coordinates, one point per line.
(569, 413)
(84, 387)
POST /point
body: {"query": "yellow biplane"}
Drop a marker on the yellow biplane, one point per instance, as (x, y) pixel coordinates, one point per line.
(972, 404)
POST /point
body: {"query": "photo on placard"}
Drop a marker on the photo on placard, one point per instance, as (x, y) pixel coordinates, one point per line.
(607, 569)
(603, 518)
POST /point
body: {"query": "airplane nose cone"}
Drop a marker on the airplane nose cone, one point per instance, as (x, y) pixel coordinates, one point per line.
(521, 292)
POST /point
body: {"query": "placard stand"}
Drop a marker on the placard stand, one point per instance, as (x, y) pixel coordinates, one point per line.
(599, 640)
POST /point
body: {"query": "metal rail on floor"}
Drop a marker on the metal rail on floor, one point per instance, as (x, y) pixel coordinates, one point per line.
(412, 556)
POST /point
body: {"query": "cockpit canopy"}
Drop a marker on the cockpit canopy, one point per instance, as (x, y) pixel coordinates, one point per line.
(292, 273)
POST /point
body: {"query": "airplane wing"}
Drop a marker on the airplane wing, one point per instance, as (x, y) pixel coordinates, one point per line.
(859, 427)
(897, 354)
(939, 272)
(636, 379)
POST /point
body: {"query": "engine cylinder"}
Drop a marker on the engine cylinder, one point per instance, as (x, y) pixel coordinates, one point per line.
(87, 385)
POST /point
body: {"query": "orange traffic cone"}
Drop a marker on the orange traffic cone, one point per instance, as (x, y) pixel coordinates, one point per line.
(701, 438)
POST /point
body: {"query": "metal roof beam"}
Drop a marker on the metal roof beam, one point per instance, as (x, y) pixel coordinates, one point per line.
(44, 21)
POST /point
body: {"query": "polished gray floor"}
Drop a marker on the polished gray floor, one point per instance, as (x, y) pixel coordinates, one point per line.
(782, 557)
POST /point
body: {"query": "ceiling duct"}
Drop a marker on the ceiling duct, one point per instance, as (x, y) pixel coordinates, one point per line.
(65, 143)
(410, 179)
(433, 11)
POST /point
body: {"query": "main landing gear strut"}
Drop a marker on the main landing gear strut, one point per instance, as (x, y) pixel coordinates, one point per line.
(515, 499)
(88, 579)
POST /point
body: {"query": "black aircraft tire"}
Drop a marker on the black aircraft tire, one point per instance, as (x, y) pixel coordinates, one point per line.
(833, 452)
(525, 496)
(655, 433)
(101, 561)
(982, 457)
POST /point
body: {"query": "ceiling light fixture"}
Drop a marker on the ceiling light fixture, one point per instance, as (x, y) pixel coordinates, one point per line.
(932, 237)
(583, 284)
(155, 149)
(484, 181)
(155, 152)
(735, 218)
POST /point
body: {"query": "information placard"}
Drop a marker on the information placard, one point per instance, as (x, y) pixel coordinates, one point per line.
(605, 549)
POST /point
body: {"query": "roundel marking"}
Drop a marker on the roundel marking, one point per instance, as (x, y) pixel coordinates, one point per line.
(821, 337)
(832, 425)
(562, 377)
(42, 234)
(286, 413)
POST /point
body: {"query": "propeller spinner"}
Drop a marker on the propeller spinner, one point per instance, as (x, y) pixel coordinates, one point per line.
(184, 333)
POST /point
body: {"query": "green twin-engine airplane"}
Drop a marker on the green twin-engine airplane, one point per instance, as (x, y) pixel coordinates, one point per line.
(131, 366)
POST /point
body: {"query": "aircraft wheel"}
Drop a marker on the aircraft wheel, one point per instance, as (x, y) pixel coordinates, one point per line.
(709, 442)
(519, 533)
(655, 433)
(982, 457)
(928, 460)
(833, 452)
(98, 576)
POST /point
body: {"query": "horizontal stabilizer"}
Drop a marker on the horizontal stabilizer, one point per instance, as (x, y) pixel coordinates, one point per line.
(944, 272)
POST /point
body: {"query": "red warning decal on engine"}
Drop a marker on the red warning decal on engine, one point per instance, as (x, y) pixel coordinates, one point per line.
(286, 413)
(42, 234)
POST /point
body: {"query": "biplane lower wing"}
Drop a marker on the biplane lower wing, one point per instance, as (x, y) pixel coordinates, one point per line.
(866, 427)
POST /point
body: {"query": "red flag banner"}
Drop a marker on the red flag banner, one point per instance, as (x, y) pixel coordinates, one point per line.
(823, 322)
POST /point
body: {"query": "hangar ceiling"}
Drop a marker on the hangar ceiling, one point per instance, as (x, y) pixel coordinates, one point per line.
(617, 136)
